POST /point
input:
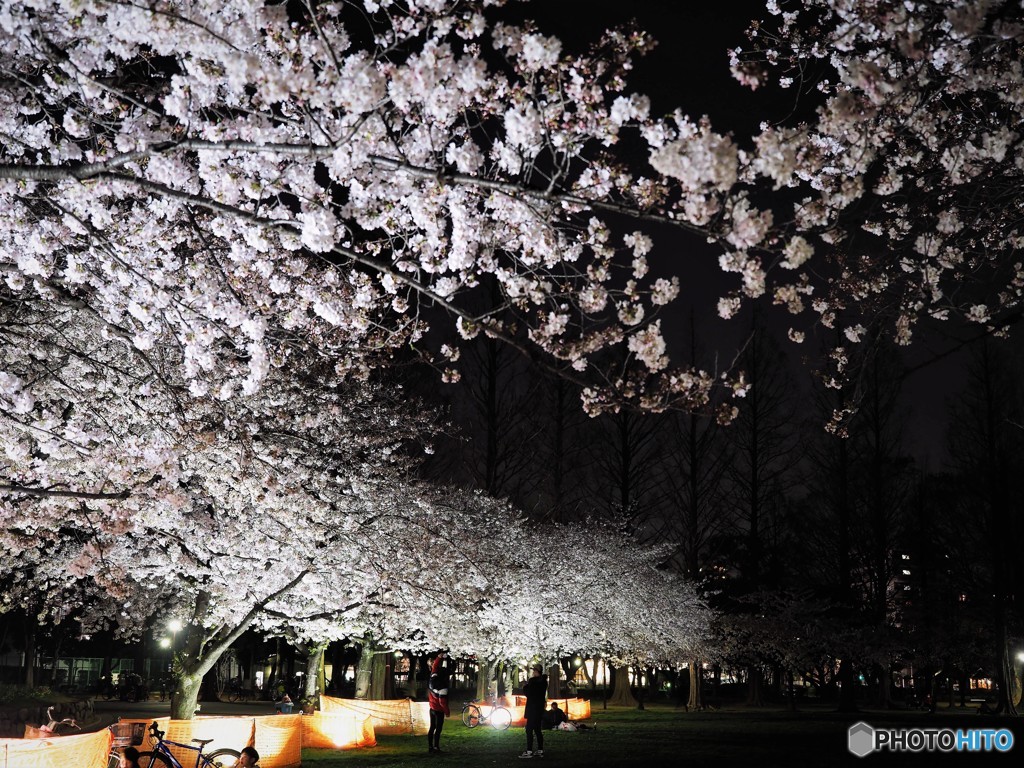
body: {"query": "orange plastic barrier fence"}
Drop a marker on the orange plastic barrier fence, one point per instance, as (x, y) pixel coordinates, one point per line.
(226, 732)
(86, 750)
(575, 708)
(279, 737)
(421, 717)
(389, 716)
(337, 730)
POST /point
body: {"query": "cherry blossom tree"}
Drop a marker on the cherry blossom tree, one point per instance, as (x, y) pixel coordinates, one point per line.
(207, 204)
(328, 176)
(462, 571)
(227, 512)
(338, 169)
(902, 177)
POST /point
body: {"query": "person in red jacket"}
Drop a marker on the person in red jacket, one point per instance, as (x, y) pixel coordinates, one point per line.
(437, 696)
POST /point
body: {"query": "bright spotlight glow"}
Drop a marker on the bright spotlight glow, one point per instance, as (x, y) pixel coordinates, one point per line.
(165, 642)
(174, 625)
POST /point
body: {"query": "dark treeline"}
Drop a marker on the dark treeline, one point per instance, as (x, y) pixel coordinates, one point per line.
(835, 558)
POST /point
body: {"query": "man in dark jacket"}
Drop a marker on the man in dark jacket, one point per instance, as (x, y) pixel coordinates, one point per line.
(536, 690)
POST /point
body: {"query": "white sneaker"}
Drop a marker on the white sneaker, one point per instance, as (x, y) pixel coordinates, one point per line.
(539, 753)
(527, 753)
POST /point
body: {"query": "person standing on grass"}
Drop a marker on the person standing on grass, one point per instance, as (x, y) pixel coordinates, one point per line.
(536, 690)
(437, 696)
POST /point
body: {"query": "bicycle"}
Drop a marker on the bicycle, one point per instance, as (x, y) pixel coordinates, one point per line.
(160, 756)
(125, 735)
(239, 692)
(52, 728)
(497, 717)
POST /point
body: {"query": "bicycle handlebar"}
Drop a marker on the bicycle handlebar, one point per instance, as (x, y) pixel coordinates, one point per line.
(155, 731)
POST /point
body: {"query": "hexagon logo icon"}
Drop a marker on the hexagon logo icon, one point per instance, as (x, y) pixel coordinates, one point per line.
(861, 739)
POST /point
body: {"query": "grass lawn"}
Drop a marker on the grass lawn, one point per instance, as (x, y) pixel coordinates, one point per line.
(666, 736)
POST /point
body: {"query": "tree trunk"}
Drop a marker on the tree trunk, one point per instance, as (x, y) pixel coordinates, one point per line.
(201, 652)
(321, 675)
(696, 700)
(56, 661)
(621, 694)
(1005, 675)
(383, 676)
(847, 692)
(364, 670)
(554, 681)
(185, 697)
(190, 668)
(274, 679)
(755, 695)
(590, 678)
(483, 679)
(30, 653)
(884, 687)
(313, 681)
(211, 688)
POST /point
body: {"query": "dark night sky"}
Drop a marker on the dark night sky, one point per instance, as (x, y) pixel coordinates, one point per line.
(689, 69)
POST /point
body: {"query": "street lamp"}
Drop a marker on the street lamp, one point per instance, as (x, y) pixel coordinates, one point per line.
(174, 627)
(165, 643)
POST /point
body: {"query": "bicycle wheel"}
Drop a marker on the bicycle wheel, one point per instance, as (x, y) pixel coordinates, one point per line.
(471, 715)
(222, 758)
(500, 719)
(154, 760)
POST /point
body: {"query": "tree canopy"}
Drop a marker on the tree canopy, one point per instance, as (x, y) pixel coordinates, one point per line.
(221, 219)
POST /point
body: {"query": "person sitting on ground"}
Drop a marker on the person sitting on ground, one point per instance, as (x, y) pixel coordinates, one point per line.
(248, 758)
(555, 716)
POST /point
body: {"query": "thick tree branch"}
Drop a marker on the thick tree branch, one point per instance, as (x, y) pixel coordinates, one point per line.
(21, 490)
(441, 176)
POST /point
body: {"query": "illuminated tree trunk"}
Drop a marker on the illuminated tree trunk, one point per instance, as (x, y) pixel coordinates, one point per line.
(696, 700)
(364, 669)
(313, 680)
(203, 648)
(483, 679)
(373, 671)
(591, 678)
(554, 681)
(622, 695)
